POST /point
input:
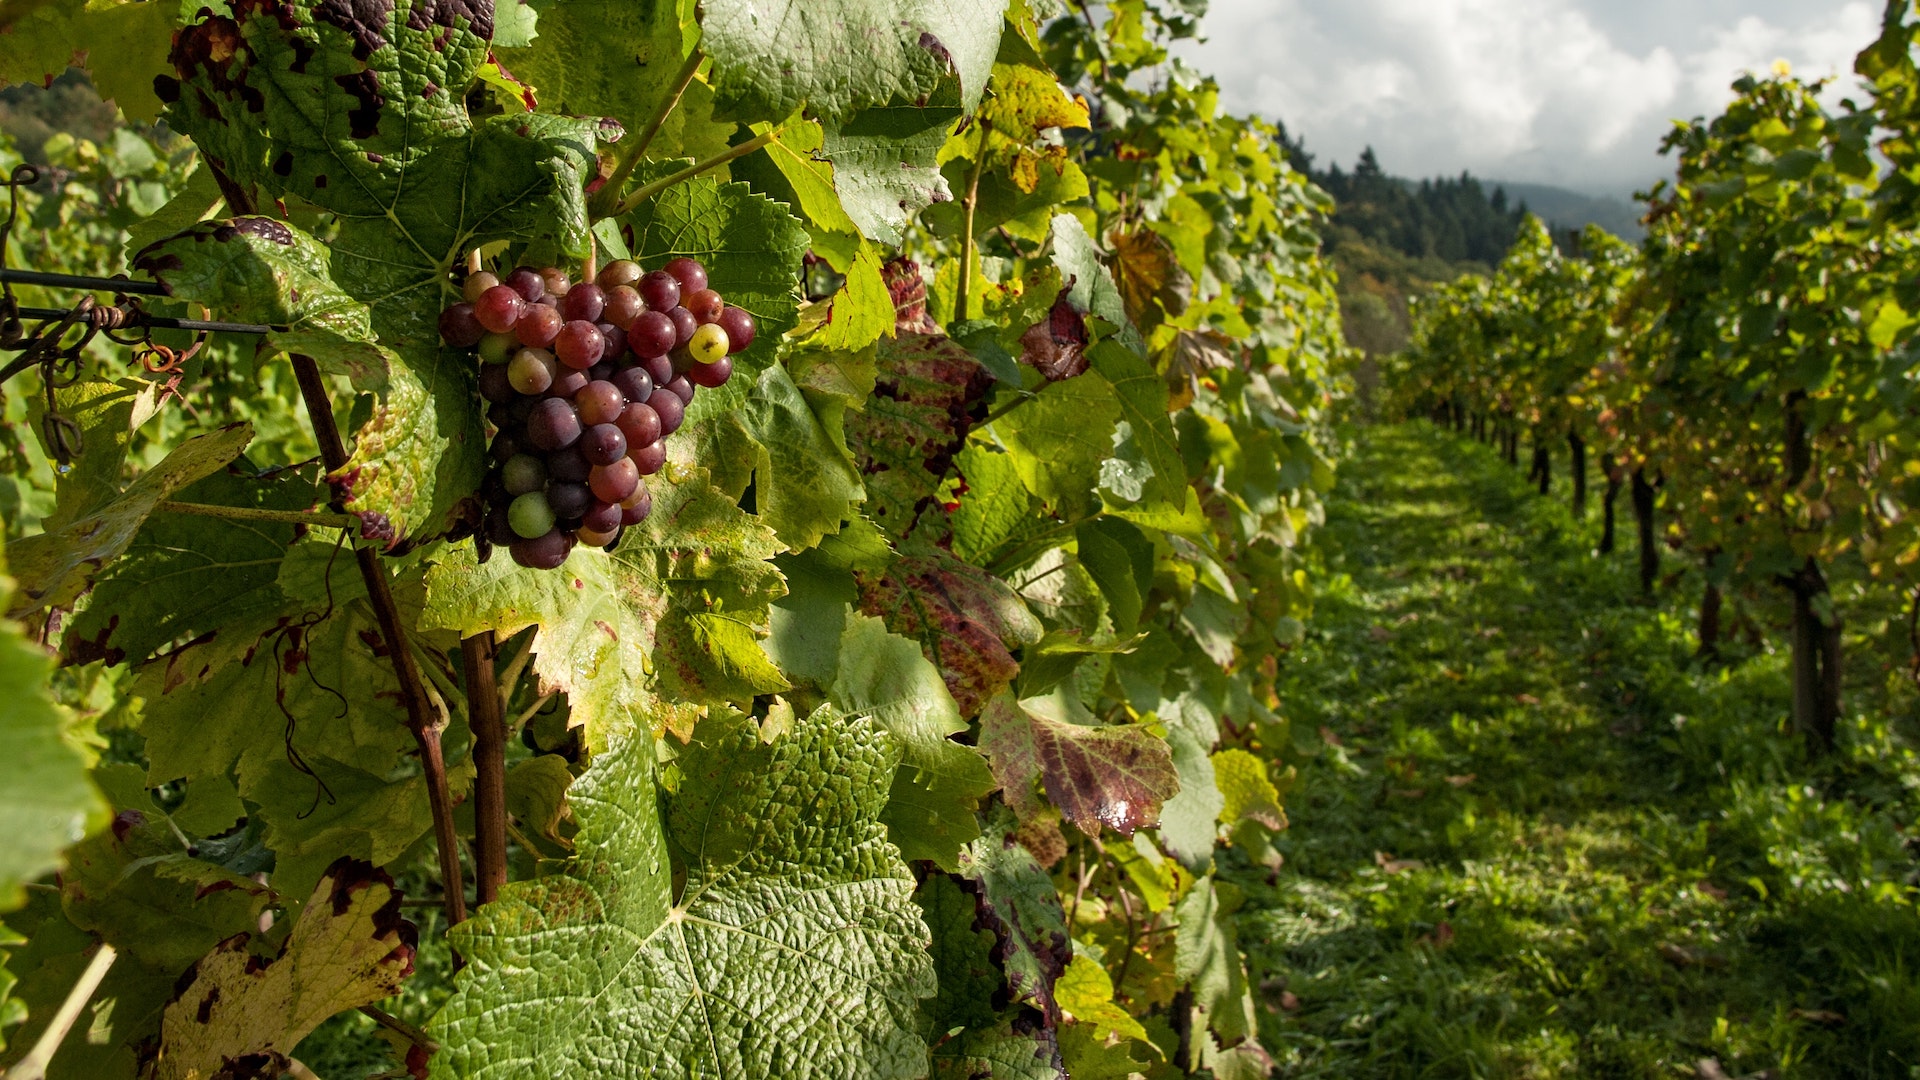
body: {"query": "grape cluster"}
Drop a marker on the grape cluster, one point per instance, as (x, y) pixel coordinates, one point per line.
(583, 381)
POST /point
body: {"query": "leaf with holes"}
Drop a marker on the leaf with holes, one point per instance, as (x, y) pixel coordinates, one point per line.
(755, 922)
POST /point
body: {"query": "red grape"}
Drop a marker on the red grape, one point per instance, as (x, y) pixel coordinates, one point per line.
(599, 402)
(660, 291)
(613, 483)
(705, 306)
(569, 466)
(583, 301)
(499, 308)
(740, 327)
(545, 553)
(555, 280)
(459, 328)
(601, 517)
(499, 530)
(634, 383)
(526, 281)
(640, 424)
(711, 375)
(569, 500)
(568, 383)
(616, 340)
(495, 385)
(623, 306)
(619, 272)
(477, 283)
(603, 444)
(661, 368)
(597, 539)
(538, 326)
(684, 324)
(681, 389)
(688, 272)
(652, 334)
(580, 344)
(637, 506)
(553, 426)
(671, 408)
(649, 459)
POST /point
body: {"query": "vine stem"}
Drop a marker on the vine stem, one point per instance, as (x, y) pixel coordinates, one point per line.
(314, 519)
(630, 159)
(490, 765)
(422, 720)
(650, 190)
(964, 294)
(34, 1065)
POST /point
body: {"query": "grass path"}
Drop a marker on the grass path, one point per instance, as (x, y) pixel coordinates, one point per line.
(1530, 838)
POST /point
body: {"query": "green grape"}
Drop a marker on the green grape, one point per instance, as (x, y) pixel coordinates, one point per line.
(530, 515)
(498, 348)
(709, 344)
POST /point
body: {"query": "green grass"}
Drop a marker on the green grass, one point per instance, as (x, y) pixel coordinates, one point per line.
(1531, 837)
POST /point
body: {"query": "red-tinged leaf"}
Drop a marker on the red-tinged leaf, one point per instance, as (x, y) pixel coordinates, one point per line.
(1057, 345)
(917, 418)
(966, 620)
(909, 292)
(1152, 283)
(1112, 776)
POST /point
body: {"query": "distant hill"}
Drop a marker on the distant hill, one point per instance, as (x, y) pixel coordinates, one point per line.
(1563, 209)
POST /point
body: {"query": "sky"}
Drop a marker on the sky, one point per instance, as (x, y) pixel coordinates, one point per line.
(1576, 93)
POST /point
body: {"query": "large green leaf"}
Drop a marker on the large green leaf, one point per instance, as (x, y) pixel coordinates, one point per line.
(647, 636)
(46, 802)
(886, 161)
(1058, 440)
(770, 59)
(915, 421)
(121, 43)
(791, 947)
(1207, 957)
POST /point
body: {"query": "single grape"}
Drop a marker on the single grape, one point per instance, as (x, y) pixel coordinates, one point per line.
(504, 447)
(538, 326)
(497, 348)
(684, 324)
(616, 340)
(519, 409)
(659, 290)
(671, 408)
(619, 272)
(496, 385)
(584, 301)
(637, 506)
(639, 423)
(603, 444)
(569, 466)
(555, 280)
(601, 517)
(709, 345)
(682, 388)
(532, 371)
(649, 459)
(613, 483)
(526, 281)
(545, 553)
(634, 383)
(569, 500)
(599, 402)
(499, 530)
(524, 473)
(591, 538)
(623, 306)
(459, 328)
(661, 369)
(740, 328)
(711, 375)
(580, 345)
(476, 283)
(682, 360)
(499, 308)
(651, 334)
(688, 272)
(530, 515)
(705, 306)
(568, 383)
(602, 371)
(553, 426)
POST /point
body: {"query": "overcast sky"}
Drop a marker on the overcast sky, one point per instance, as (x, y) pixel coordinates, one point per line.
(1570, 92)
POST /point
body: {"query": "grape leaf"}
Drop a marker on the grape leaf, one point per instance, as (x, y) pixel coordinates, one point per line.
(789, 170)
(1143, 408)
(122, 44)
(1190, 821)
(930, 811)
(236, 1014)
(1090, 287)
(56, 566)
(993, 505)
(962, 957)
(1086, 995)
(1015, 1048)
(1058, 440)
(1018, 903)
(886, 161)
(751, 246)
(1207, 958)
(770, 59)
(47, 802)
(916, 420)
(647, 636)
(122, 1012)
(966, 620)
(793, 947)
(1113, 776)
(1247, 794)
(1153, 285)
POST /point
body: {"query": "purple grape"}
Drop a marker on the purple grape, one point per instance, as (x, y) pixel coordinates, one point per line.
(652, 334)
(659, 290)
(603, 444)
(616, 341)
(569, 466)
(639, 423)
(615, 482)
(546, 553)
(526, 281)
(601, 517)
(568, 383)
(688, 272)
(711, 375)
(634, 383)
(553, 425)
(671, 409)
(569, 500)
(580, 344)
(495, 385)
(740, 327)
(649, 459)
(660, 368)
(504, 447)
(637, 507)
(599, 402)
(459, 328)
(583, 302)
(623, 306)
(684, 324)
(682, 389)
(499, 531)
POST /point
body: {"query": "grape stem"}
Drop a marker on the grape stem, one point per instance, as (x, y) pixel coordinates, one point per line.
(630, 159)
(490, 765)
(650, 190)
(310, 518)
(962, 295)
(34, 1065)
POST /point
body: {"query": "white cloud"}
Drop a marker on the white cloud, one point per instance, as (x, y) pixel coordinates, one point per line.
(1534, 90)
